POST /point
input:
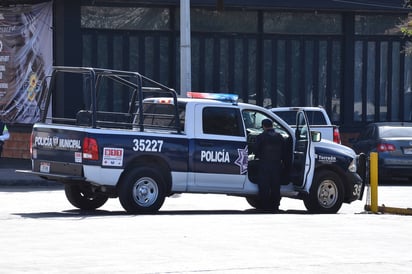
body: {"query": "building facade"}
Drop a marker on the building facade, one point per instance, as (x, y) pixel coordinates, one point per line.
(347, 56)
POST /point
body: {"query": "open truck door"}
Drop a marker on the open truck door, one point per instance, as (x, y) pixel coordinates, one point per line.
(303, 154)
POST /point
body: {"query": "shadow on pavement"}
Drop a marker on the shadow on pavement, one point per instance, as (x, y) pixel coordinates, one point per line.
(99, 213)
(31, 188)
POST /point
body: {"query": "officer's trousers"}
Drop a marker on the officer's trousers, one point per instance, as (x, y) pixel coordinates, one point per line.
(269, 185)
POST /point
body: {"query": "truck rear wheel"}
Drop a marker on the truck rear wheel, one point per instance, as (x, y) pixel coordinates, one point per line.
(82, 197)
(326, 193)
(142, 190)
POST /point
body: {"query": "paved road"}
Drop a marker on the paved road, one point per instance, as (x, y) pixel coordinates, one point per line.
(40, 232)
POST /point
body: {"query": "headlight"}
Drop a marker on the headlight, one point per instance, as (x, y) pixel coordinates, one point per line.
(352, 166)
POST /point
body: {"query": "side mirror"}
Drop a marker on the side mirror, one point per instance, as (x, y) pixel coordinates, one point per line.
(316, 136)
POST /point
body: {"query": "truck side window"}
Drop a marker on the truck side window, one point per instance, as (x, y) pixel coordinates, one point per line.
(222, 121)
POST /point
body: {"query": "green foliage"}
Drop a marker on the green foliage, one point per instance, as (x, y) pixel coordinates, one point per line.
(406, 27)
(406, 30)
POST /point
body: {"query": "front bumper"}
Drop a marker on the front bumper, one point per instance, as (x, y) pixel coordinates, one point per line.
(355, 188)
(356, 181)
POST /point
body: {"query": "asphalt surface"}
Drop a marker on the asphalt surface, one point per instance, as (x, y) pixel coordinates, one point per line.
(9, 176)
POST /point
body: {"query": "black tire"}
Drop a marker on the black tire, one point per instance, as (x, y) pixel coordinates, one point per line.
(142, 190)
(82, 197)
(326, 193)
(255, 202)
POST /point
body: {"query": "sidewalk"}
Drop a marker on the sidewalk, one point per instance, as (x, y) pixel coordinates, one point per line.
(10, 178)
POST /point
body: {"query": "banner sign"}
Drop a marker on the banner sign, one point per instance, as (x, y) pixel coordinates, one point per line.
(26, 57)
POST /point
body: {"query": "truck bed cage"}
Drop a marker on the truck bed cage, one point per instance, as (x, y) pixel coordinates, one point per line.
(141, 87)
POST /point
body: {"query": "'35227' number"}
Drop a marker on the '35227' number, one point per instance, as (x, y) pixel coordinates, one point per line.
(147, 145)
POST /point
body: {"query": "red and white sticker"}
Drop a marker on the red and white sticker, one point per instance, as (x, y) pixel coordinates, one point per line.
(77, 157)
(112, 156)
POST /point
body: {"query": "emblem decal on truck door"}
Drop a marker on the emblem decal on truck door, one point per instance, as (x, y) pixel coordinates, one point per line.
(242, 159)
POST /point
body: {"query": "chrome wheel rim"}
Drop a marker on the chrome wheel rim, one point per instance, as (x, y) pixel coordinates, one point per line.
(145, 192)
(327, 194)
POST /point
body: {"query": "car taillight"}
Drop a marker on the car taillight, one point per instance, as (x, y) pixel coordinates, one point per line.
(90, 149)
(384, 147)
(336, 135)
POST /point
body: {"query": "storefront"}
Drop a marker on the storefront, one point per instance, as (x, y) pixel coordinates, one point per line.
(347, 56)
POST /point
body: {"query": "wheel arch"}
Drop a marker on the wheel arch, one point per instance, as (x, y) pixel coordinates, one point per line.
(155, 162)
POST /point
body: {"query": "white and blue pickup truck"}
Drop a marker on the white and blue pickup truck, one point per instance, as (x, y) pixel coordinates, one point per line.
(160, 145)
(317, 117)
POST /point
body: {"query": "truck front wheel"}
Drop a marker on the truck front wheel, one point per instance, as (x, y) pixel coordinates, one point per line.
(142, 190)
(326, 193)
(83, 197)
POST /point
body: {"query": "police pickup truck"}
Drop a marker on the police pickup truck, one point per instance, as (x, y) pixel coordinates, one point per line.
(160, 145)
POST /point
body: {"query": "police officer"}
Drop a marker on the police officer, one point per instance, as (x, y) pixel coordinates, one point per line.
(4, 135)
(270, 149)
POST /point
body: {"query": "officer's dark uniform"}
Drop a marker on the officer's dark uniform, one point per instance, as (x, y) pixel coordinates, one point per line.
(1, 133)
(270, 149)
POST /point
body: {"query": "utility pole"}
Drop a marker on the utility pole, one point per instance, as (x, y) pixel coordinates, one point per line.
(185, 49)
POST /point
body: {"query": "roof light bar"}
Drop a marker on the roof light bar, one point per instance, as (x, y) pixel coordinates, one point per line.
(165, 100)
(159, 100)
(224, 97)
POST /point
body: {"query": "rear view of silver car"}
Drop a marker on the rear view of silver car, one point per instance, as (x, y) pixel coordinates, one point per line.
(393, 143)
